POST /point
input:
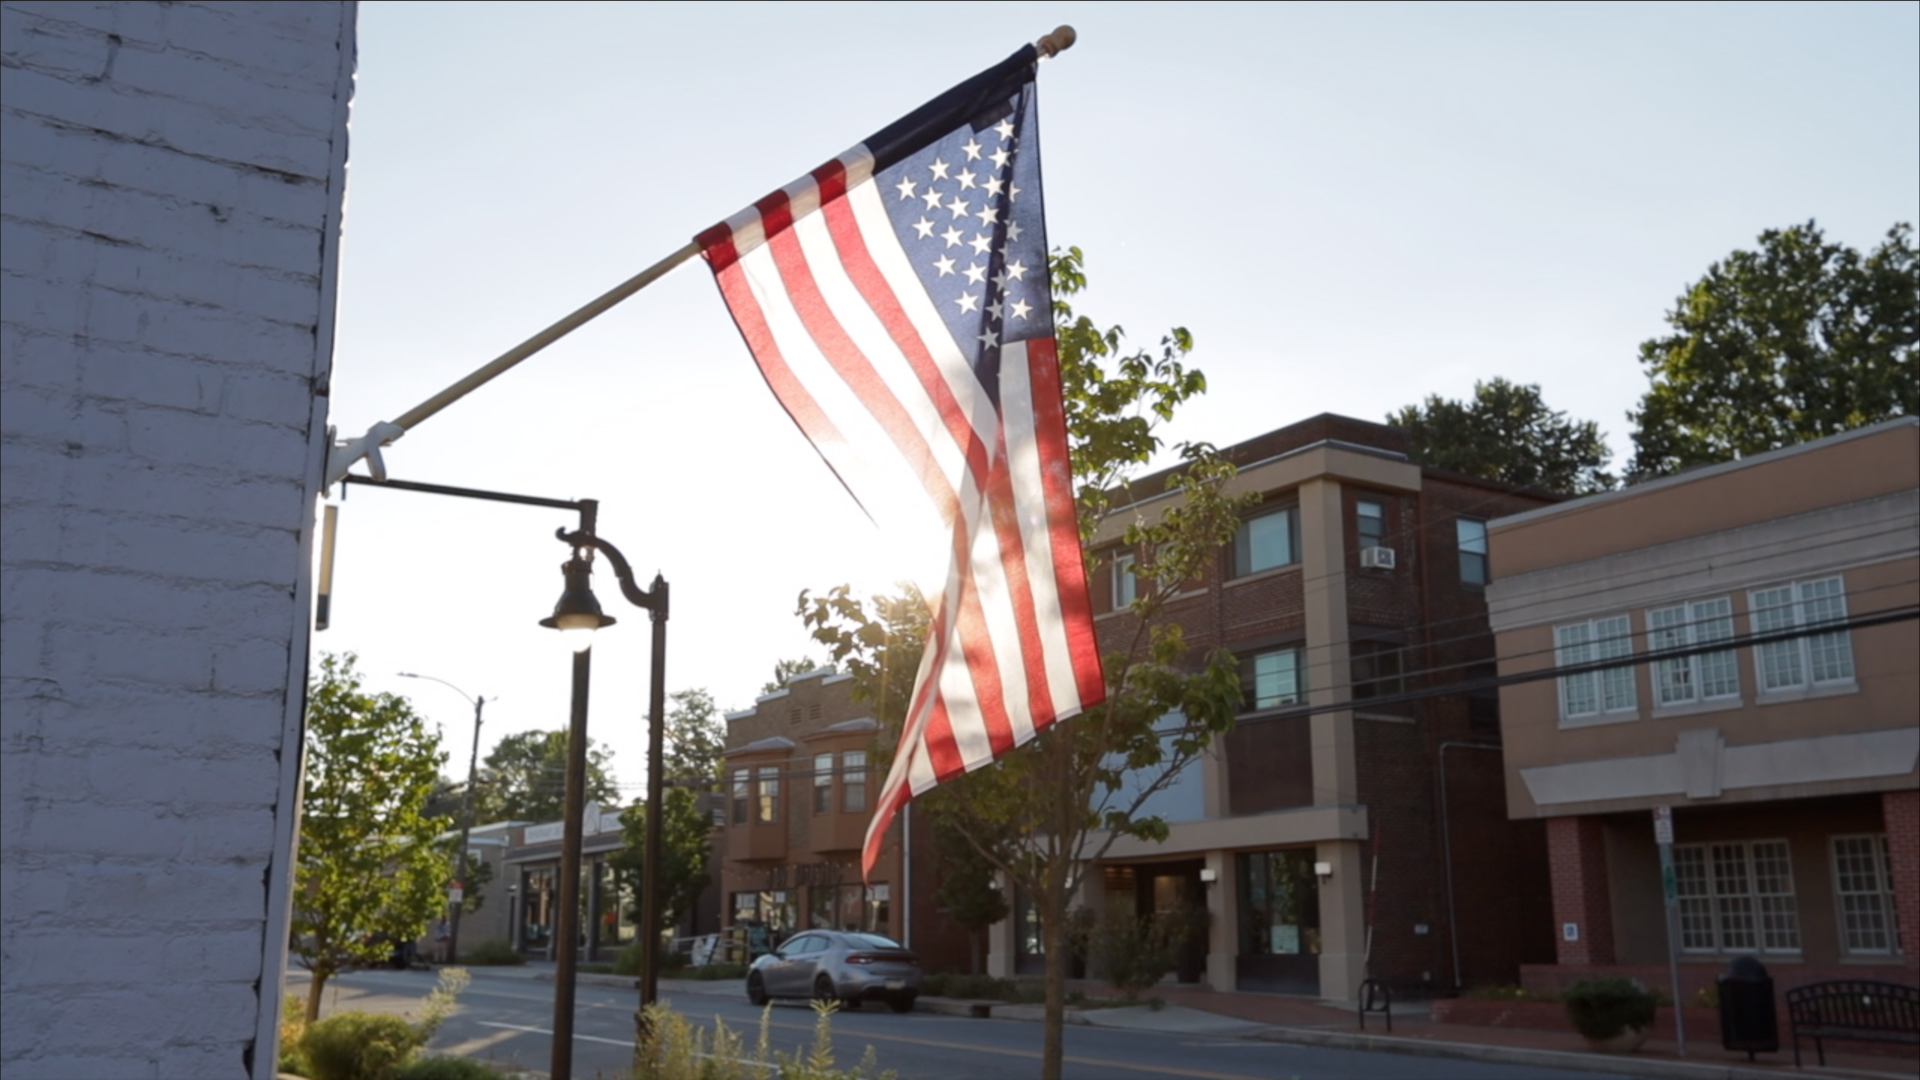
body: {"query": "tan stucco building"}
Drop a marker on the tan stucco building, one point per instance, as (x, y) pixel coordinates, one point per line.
(1770, 697)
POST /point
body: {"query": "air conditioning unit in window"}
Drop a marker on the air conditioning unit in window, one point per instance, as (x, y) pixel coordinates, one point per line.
(1376, 558)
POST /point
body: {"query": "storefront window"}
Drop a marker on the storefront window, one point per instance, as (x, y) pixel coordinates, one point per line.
(1279, 904)
(536, 929)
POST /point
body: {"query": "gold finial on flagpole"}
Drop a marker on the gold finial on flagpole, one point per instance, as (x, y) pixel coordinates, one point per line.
(1057, 42)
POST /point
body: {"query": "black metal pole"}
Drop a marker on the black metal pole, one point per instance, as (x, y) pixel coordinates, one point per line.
(650, 900)
(466, 830)
(567, 920)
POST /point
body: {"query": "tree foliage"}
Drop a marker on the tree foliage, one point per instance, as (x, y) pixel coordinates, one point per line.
(694, 748)
(524, 778)
(1044, 813)
(1801, 339)
(369, 872)
(784, 671)
(1506, 432)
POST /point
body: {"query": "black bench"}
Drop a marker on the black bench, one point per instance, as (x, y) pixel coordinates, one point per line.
(1853, 1009)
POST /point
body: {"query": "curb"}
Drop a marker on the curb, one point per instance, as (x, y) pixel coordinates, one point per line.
(1621, 1065)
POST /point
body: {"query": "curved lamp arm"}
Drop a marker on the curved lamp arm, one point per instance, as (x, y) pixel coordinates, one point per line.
(654, 600)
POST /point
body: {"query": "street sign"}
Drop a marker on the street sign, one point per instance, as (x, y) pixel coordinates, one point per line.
(1663, 825)
(456, 894)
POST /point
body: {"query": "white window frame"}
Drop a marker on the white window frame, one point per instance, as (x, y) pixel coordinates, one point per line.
(1126, 584)
(1725, 897)
(853, 777)
(822, 783)
(1299, 695)
(1871, 904)
(1702, 678)
(1596, 697)
(767, 794)
(1288, 519)
(1815, 661)
(1472, 536)
(1361, 517)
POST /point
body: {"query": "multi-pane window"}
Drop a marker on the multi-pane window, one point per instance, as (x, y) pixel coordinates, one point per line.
(1736, 897)
(1702, 676)
(1593, 693)
(1376, 669)
(1864, 881)
(1264, 542)
(853, 781)
(739, 796)
(769, 793)
(1126, 586)
(1812, 660)
(1473, 550)
(1271, 679)
(822, 783)
(1370, 523)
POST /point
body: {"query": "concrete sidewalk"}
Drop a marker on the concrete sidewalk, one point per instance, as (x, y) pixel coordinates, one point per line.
(1195, 1011)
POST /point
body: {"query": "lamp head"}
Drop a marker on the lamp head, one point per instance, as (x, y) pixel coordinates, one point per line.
(577, 614)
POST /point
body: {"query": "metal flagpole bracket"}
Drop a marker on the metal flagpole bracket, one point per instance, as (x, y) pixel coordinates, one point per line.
(343, 453)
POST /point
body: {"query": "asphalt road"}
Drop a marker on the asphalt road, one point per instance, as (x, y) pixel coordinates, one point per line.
(509, 1020)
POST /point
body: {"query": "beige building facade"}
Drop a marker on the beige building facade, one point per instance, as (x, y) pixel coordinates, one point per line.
(1738, 644)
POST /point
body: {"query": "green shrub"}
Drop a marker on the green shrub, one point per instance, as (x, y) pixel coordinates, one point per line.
(293, 1027)
(1131, 954)
(719, 972)
(1603, 1008)
(679, 1050)
(446, 1068)
(493, 952)
(359, 1046)
(627, 960)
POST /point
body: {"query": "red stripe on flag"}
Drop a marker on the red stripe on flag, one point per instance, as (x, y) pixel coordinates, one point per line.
(786, 387)
(976, 645)
(878, 292)
(856, 369)
(1056, 479)
(1013, 562)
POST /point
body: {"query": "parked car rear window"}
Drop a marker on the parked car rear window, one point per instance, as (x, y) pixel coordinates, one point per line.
(872, 941)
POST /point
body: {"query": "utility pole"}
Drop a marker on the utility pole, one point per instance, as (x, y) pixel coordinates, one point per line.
(459, 901)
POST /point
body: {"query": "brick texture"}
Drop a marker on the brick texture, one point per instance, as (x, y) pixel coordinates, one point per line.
(1576, 850)
(1901, 811)
(172, 176)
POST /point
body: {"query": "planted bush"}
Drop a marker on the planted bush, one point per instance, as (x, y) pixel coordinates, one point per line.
(1603, 1008)
(493, 952)
(358, 1046)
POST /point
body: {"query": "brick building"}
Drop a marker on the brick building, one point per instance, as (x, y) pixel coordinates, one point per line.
(174, 177)
(1790, 763)
(799, 793)
(1375, 823)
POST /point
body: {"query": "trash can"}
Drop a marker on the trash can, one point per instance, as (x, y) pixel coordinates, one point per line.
(1747, 1020)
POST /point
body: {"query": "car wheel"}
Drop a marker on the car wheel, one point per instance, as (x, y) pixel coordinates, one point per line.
(823, 989)
(903, 1003)
(756, 989)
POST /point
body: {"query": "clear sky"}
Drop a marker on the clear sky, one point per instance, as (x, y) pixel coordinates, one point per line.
(1352, 206)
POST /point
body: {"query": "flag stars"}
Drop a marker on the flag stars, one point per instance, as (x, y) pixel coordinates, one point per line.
(952, 236)
(1013, 193)
(995, 186)
(1020, 309)
(973, 149)
(968, 302)
(932, 198)
(958, 207)
(944, 264)
(988, 214)
(1017, 270)
(981, 243)
(975, 274)
(905, 187)
(1000, 158)
(991, 339)
(939, 169)
(966, 179)
(1013, 232)
(1005, 128)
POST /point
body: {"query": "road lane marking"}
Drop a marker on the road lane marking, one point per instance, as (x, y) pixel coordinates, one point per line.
(546, 1031)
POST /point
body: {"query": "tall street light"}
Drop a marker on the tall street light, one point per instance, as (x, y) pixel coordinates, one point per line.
(577, 615)
(466, 813)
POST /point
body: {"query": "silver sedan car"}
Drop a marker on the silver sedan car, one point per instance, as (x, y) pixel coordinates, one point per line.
(834, 965)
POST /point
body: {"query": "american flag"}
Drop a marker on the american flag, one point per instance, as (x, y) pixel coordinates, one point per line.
(898, 304)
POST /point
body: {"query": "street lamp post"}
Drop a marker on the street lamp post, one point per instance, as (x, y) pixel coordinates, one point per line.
(466, 813)
(578, 614)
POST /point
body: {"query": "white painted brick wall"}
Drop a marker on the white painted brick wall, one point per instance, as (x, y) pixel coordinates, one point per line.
(173, 191)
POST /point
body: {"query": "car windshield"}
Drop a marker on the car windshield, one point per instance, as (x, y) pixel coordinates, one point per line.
(871, 941)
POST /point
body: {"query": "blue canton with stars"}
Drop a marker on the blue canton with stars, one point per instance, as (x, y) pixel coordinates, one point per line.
(967, 212)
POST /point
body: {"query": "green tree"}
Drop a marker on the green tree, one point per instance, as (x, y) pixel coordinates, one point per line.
(694, 747)
(1043, 814)
(369, 872)
(1796, 341)
(524, 778)
(967, 889)
(784, 671)
(1506, 432)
